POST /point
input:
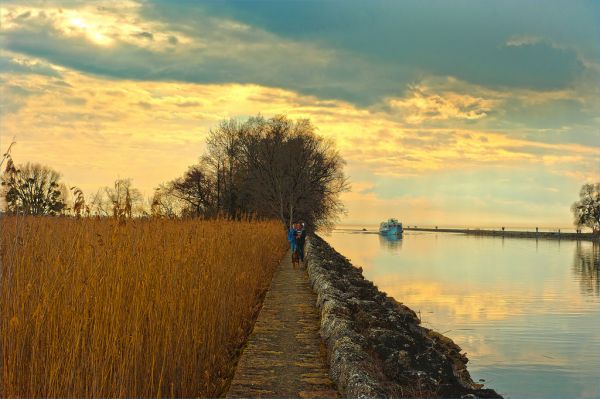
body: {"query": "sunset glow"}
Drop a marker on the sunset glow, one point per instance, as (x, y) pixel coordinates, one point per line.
(502, 131)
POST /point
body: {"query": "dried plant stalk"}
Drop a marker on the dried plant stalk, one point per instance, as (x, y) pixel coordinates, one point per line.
(94, 308)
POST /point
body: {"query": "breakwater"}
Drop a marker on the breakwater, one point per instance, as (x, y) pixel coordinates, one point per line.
(375, 345)
(556, 235)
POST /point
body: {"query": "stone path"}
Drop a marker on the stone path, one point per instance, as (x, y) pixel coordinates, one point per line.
(284, 356)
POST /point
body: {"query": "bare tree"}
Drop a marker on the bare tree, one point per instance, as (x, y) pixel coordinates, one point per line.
(125, 199)
(224, 150)
(587, 210)
(164, 204)
(100, 204)
(291, 172)
(33, 189)
(195, 188)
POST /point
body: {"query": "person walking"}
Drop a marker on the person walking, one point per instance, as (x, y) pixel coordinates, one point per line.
(301, 234)
(292, 238)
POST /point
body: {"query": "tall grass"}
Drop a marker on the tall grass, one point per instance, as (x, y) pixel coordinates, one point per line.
(153, 308)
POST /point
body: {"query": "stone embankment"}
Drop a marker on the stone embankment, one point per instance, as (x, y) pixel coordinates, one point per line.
(375, 345)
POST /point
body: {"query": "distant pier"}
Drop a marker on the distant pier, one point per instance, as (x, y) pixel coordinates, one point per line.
(555, 235)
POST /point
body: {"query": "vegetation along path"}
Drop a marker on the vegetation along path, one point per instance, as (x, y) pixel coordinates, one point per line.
(284, 356)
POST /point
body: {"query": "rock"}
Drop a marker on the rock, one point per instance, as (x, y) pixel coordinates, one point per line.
(375, 344)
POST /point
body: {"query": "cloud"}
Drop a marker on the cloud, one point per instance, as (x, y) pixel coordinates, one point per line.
(419, 106)
(465, 40)
(273, 46)
(14, 63)
(95, 129)
(150, 36)
(101, 41)
(99, 25)
(518, 194)
(556, 116)
(128, 113)
(522, 40)
(100, 91)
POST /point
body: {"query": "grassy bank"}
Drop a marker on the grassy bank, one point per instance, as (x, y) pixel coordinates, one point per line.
(90, 308)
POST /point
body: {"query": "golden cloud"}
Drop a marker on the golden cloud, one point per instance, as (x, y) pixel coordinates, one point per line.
(94, 129)
(420, 106)
(101, 26)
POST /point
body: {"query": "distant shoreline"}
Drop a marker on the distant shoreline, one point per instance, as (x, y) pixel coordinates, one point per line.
(530, 227)
(556, 235)
(553, 235)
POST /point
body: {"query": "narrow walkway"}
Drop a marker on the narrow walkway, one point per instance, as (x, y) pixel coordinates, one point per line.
(284, 356)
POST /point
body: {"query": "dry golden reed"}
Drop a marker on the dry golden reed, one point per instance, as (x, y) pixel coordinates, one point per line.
(152, 308)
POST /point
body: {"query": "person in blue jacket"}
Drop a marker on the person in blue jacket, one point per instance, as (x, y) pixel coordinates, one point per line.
(292, 237)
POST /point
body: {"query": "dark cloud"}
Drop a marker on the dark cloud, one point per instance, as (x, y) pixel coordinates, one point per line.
(186, 104)
(144, 35)
(359, 53)
(297, 67)
(13, 97)
(24, 15)
(10, 64)
(144, 105)
(465, 39)
(75, 101)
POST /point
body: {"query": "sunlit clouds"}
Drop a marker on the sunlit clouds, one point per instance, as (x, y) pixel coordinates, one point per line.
(128, 89)
(98, 25)
(421, 106)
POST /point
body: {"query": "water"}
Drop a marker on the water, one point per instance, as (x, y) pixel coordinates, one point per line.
(526, 311)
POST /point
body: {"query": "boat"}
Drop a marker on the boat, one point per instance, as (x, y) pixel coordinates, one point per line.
(391, 228)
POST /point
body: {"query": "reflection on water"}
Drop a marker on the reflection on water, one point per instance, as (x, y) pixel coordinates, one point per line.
(586, 267)
(392, 243)
(526, 311)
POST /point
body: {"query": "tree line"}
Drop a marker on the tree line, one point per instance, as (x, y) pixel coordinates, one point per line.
(272, 168)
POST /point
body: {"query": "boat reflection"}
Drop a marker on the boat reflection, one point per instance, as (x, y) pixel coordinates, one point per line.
(586, 267)
(390, 243)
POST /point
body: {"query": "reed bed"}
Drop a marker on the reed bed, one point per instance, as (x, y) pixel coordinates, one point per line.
(152, 308)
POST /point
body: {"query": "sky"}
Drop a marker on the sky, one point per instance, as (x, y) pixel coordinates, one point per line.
(462, 113)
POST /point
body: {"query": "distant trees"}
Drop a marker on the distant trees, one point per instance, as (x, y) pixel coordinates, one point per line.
(121, 201)
(587, 210)
(163, 204)
(274, 168)
(290, 172)
(33, 189)
(224, 156)
(196, 190)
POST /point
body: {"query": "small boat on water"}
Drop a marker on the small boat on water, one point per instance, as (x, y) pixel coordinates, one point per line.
(391, 228)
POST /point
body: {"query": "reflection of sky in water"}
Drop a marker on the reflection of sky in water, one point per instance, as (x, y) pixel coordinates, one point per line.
(526, 312)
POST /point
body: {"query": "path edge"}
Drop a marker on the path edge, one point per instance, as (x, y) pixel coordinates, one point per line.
(242, 348)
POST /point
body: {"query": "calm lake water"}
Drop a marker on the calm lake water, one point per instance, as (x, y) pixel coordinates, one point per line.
(526, 311)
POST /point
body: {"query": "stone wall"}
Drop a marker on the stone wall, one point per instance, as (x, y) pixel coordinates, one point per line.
(375, 345)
